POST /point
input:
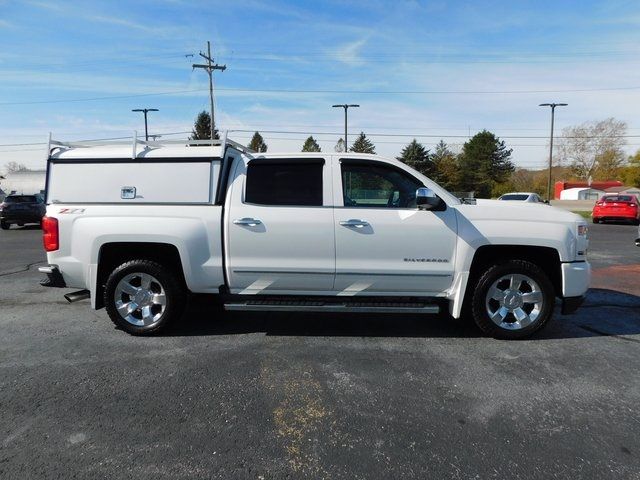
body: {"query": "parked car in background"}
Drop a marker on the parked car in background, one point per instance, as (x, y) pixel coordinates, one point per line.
(529, 197)
(21, 209)
(617, 207)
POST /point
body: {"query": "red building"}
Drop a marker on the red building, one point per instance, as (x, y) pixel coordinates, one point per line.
(560, 186)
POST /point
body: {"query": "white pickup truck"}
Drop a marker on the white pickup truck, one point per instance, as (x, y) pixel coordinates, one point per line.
(139, 226)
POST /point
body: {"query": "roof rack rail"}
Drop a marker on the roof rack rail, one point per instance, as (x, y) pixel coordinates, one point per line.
(223, 141)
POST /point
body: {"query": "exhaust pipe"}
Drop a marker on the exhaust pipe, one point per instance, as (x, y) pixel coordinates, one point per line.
(77, 296)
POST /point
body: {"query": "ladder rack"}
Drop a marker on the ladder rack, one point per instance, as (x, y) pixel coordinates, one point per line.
(134, 141)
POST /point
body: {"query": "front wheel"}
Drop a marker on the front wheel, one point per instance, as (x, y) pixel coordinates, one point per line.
(143, 297)
(596, 220)
(4, 225)
(513, 300)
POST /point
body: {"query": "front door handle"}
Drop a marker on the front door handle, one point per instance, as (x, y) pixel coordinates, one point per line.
(354, 223)
(250, 222)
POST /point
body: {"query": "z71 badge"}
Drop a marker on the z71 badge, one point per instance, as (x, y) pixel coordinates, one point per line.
(71, 210)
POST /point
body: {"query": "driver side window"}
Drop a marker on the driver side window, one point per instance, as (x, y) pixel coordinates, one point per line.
(370, 185)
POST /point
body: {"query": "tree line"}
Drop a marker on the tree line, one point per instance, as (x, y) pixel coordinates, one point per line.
(589, 151)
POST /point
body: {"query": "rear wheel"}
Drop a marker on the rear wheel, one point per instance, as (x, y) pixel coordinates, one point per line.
(596, 220)
(144, 297)
(513, 300)
(4, 225)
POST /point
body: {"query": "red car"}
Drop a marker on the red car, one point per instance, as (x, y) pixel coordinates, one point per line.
(620, 207)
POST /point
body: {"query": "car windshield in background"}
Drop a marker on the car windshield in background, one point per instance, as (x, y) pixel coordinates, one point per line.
(20, 199)
(514, 197)
(618, 198)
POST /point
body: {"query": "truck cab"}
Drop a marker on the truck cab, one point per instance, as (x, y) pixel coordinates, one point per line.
(139, 227)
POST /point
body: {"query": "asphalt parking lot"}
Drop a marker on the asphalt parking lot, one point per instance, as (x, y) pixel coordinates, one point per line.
(270, 396)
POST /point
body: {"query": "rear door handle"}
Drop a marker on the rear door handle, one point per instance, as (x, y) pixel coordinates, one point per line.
(354, 223)
(250, 222)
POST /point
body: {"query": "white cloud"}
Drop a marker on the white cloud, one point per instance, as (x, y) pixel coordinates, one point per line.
(349, 53)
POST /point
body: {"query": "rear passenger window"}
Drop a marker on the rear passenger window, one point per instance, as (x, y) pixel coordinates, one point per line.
(294, 183)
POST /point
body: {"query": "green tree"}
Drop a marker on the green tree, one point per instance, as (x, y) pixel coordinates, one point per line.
(362, 145)
(417, 157)
(445, 167)
(484, 161)
(202, 128)
(630, 174)
(257, 143)
(310, 145)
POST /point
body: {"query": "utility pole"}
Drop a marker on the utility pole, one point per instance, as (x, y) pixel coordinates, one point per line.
(553, 111)
(210, 67)
(346, 107)
(145, 111)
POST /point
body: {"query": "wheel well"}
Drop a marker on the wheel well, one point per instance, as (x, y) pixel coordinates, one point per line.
(112, 255)
(544, 257)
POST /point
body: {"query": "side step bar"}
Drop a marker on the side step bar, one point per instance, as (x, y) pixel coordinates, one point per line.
(331, 307)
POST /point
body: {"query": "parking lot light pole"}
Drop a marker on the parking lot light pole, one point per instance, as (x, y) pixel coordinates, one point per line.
(553, 111)
(346, 107)
(145, 110)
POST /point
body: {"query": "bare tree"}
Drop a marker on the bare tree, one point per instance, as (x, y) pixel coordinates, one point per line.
(594, 149)
(11, 167)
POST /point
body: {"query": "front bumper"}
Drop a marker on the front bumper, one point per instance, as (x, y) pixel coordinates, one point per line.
(54, 277)
(576, 277)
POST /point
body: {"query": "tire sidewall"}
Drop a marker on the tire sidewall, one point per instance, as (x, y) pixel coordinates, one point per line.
(174, 293)
(492, 274)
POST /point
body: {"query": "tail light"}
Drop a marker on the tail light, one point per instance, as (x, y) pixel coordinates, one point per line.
(50, 234)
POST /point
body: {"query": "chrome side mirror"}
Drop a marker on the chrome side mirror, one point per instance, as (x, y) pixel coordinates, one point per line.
(426, 199)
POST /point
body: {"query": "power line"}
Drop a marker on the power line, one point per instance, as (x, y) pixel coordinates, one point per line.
(358, 92)
(429, 135)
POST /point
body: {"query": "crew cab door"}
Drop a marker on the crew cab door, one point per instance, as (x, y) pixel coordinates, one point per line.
(279, 227)
(384, 244)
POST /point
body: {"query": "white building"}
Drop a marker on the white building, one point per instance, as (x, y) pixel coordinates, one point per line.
(27, 182)
(581, 193)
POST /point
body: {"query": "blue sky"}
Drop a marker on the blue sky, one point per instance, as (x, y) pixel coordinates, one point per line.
(412, 66)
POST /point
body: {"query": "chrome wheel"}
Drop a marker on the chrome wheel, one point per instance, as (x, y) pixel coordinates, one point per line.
(514, 301)
(140, 299)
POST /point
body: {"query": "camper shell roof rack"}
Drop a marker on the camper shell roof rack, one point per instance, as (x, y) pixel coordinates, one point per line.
(224, 141)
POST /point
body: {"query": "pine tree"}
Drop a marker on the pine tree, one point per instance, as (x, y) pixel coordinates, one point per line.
(417, 157)
(257, 143)
(340, 145)
(362, 145)
(310, 145)
(483, 163)
(445, 167)
(202, 128)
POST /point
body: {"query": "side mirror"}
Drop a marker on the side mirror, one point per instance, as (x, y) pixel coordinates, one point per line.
(426, 199)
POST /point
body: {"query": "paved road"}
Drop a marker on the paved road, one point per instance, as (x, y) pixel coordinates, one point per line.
(312, 396)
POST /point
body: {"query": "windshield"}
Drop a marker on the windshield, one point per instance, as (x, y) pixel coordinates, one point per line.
(514, 197)
(618, 198)
(20, 199)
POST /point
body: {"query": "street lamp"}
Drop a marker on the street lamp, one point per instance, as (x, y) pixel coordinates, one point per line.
(145, 110)
(346, 107)
(553, 111)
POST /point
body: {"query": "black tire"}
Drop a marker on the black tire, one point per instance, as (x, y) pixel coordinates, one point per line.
(482, 304)
(4, 225)
(157, 317)
(596, 220)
